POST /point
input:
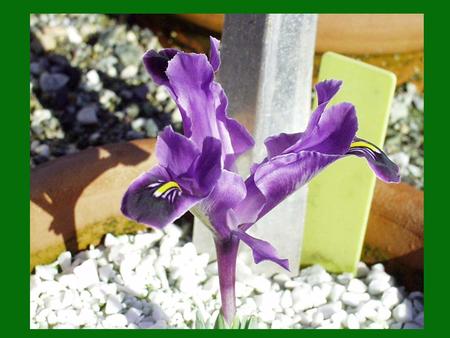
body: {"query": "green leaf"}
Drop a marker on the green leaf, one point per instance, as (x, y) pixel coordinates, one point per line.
(199, 321)
(250, 323)
(236, 324)
(220, 322)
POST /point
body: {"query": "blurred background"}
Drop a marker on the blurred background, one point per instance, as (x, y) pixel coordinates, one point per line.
(88, 86)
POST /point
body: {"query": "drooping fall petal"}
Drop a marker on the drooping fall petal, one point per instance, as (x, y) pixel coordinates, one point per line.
(155, 199)
(381, 165)
(261, 250)
(184, 177)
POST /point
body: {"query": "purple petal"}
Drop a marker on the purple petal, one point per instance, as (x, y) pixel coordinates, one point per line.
(326, 90)
(276, 144)
(382, 166)
(214, 54)
(175, 151)
(262, 250)
(328, 131)
(207, 169)
(282, 175)
(333, 132)
(247, 211)
(155, 199)
(156, 64)
(235, 137)
(227, 193)
(191, 78)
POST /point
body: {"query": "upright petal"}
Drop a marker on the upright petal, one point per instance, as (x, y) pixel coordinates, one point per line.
(156, 64)
(277, 144)
(156, 199)
(175, 151)
(382, 166)
(235, 137)
(207, 168)
(321, 125)
(214, 54)
(262, 250)
(333, 133)
(326, 90)
(190, 78)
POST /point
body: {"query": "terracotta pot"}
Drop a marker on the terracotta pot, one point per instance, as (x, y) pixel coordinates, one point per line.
(75, 200)
(351, 33)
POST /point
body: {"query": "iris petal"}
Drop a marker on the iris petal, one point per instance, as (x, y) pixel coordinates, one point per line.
(155, 199)
(175, 151)
(279, 177)
(227, 193)
(214, 54)
(382, 166)
(262, 250)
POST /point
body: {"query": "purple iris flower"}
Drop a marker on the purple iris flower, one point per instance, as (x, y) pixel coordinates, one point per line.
(196, 170)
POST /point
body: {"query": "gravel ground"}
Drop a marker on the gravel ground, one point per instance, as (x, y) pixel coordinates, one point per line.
(88, 87)
(157, 280)
(404, 138)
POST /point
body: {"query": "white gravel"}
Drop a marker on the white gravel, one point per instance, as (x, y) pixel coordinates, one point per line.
(156, 280)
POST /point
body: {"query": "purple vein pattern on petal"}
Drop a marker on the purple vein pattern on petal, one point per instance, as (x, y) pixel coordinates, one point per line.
(262, 250)
(214, 54)
(276, 144)
(317, 125)
(333, 133)
(191, 79)
(184, 177)
(141, 205)
(382, 166)
(278, 178)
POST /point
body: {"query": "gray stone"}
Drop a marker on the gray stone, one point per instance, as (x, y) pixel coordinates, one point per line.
(53, 82)
(88, 115)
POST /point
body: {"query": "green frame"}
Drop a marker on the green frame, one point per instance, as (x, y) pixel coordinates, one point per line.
(15, 137)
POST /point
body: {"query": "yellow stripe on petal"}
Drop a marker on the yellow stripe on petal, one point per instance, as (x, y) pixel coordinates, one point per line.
(166, 187)
(362, 144)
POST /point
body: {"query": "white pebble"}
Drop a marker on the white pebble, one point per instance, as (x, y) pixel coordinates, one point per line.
(362, 270)
(378, 286)
(46, 272)
(115, 321)
(391, 297)
(356, 285)
(354, 299)
(330, 309)
(87, 273)
(336, 292)
(352, 322)
(113, 305)
(403, 312)
(65, 260)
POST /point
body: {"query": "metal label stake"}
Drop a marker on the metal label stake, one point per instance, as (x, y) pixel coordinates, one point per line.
(267, 63)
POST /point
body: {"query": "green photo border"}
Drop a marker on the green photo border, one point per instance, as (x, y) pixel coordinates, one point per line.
(15, 155)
